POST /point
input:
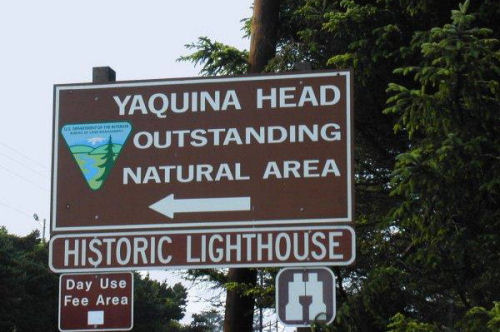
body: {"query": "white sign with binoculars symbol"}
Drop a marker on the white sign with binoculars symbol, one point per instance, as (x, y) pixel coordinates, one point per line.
(305, 295)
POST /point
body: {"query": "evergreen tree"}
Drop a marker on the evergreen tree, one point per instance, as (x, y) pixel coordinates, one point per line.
(108, 161)
(157, 305)
(29, 291)
(207, 321)
(449, 178)
(427, 192)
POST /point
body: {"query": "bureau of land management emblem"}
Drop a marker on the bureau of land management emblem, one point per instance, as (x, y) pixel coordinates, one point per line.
(95, 148)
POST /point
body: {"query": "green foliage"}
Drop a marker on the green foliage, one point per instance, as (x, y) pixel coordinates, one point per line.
(207, 321)
(427, 154)
(449, 176)
(28, 291)
(157, 305)
(216, 58)
(218, 277)
(400, 323)
(108, 160)
(263, 292)
(478, 319)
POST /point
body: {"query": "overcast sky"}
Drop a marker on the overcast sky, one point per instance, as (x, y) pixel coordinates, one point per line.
(47, 42)
(55, 41)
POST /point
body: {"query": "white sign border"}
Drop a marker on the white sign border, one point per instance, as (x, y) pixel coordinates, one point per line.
(302, 269)
(164, 224)
(205, 266)
(98, 329)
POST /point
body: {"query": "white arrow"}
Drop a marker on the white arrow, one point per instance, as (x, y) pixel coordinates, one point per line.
(169, 205)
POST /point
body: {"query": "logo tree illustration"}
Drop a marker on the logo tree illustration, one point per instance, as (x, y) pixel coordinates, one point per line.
(108, 161)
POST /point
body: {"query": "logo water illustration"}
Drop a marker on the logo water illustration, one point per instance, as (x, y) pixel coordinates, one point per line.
(95, 148)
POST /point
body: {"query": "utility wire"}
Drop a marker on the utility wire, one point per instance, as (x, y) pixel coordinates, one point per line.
(24, 156)
(15, 209)
(23, 178)
(23, 164)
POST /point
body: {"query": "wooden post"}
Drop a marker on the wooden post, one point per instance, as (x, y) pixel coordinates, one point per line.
(103, 75)
(265, 21)
(43, 234)
(302, 66)
(239, 308)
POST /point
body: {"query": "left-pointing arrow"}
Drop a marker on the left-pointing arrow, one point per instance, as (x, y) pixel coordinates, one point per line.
(168, 205)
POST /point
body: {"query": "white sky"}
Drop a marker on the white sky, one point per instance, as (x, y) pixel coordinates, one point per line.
(47, 42)
(59, 41)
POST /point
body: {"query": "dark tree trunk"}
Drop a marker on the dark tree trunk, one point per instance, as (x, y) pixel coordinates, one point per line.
(265, 23)
(239, 308)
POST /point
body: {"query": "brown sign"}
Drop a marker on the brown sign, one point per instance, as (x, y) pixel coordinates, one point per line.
(305, 295)
(244, 247)
(96, 302)
(201, 153)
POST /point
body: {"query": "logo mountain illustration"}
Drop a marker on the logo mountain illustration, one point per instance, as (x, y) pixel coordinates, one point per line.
(95, 148)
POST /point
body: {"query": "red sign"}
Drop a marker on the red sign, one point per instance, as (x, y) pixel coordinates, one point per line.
(96, 302)
(245, 247)
(266, 150)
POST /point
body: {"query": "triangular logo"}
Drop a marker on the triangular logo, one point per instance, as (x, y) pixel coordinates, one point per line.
(95, 148)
